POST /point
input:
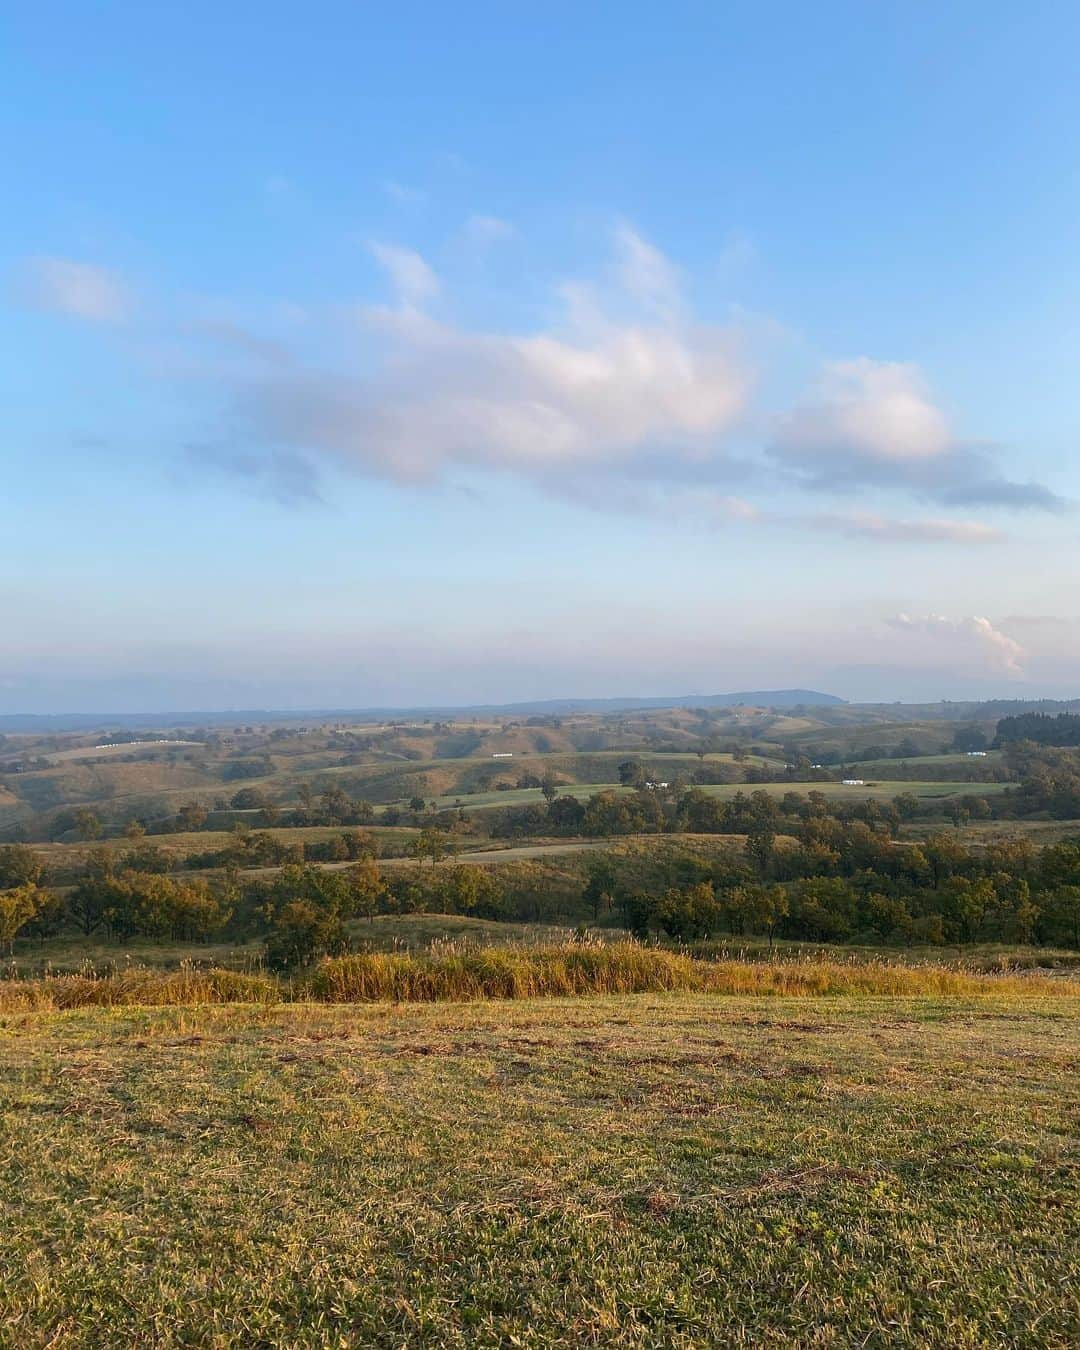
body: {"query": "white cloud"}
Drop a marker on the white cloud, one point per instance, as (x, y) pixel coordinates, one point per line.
(971, 635)
(875, 423)
(80, 289)
(570, 398)
(413, 279)
(624, 400)
(873, 410)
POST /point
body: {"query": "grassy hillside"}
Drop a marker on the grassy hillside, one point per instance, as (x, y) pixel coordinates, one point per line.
(878, 789)
(43, 776)
(668, 1170)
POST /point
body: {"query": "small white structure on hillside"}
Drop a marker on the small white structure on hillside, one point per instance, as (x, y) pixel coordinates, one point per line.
(502, 754)
(853, 782)
(976, 754)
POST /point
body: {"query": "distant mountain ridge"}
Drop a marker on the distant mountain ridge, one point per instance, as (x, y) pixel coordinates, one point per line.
(752, 698)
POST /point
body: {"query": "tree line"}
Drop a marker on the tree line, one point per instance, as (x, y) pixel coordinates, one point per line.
(833, 880)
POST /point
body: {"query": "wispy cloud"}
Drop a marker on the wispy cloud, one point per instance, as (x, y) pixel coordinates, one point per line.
(869, 525)
(402, 193)
(738, 255)
(283, 476)
(484, 230)
(413, 278)
(645, 273)
(237, 338)
(707, 507)
(82, 290)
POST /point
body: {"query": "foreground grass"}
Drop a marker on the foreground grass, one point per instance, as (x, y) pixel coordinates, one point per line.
(639, 1171)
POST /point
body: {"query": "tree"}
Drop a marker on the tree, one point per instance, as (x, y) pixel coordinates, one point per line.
(88, 902)
(17, 907)
(632, 773)
(466, 889)
(701, 814)
(417, 804)
(566, 814)
(191, 816)
(134, 830)
(336, 804)
(195, 912)
(957, 812)
(1060, 920)
(87, 825)
(549, 787)
(761, 848)
(366, 888)
(965, 903)
(19, 866)
(601, 885)
(690, 913)
(763, 908)
(1022, 922)
(969, 738)
(978, 808)
(301, 931)
(359, 844)
(638, 911)
(147, 857)
(430, 843)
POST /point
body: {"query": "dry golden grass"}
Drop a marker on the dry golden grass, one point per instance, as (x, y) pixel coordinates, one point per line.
(447, 973)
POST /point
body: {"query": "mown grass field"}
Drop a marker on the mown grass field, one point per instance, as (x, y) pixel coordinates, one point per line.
(655, 1170)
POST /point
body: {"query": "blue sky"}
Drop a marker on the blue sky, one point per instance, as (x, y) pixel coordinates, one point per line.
(354, 355)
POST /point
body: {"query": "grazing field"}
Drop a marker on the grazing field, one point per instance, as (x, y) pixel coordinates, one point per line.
(139, 749)
(650, 1170)
(522, 796)
(878, 789)
(933, 763)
